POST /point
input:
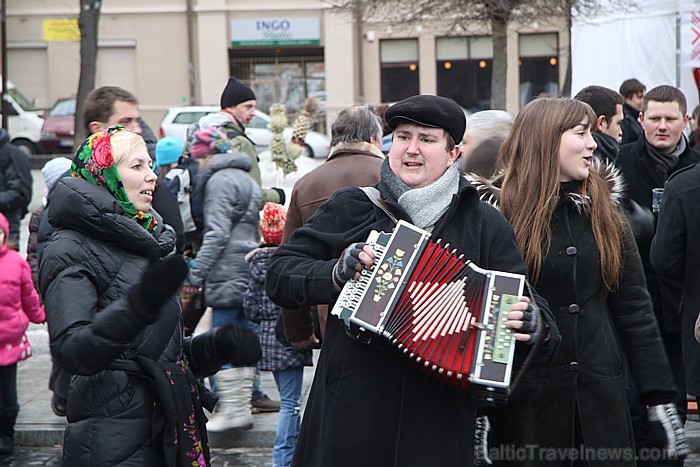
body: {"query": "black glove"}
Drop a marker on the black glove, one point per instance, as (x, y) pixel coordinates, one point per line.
(237, 346)
(281, 194)
(531, 323)
(481, 441)
(346, 267)
(666, 430)
(208, 351)
(159, 282)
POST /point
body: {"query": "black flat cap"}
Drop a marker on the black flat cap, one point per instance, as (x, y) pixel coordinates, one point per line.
(430, 111)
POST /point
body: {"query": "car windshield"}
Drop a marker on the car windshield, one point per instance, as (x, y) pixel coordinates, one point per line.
(63, 108)
(189, 117)
(23, 102)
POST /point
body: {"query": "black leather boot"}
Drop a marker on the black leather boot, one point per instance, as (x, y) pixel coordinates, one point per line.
(8, 417)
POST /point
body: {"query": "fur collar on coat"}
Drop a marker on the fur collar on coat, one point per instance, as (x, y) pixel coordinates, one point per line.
(490, 189)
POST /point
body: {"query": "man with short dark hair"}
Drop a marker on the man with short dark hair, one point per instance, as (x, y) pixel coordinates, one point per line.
(355, 159)
(110, 105)
(632, 91)
(645, 165)
(367, 407)
(607, 105)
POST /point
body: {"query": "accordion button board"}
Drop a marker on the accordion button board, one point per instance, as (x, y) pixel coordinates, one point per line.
(441, 311)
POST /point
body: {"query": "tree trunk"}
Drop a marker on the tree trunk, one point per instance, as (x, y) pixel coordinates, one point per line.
(88, 23)
(499, 30)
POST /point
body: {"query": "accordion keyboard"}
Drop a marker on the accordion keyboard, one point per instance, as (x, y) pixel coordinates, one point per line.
(354, 290)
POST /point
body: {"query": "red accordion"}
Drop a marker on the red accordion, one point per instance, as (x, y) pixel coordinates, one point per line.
(444, 313)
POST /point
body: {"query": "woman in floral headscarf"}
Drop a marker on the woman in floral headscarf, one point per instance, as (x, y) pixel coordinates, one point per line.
(114, 320)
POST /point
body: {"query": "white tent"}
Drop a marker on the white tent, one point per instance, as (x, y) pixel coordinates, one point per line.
(644, 43)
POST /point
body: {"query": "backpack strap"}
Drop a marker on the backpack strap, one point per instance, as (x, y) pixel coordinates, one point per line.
(376, 198)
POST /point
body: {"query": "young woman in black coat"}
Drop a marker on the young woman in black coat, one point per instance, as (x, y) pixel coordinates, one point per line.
(582, 258)
(115, 321)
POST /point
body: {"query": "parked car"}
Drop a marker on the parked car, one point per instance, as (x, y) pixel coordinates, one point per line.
(177, 119)
(23, 120)
(58, 132)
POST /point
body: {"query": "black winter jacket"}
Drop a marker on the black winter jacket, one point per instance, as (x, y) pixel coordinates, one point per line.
(675, 256)
(367, 407)
(96, 254)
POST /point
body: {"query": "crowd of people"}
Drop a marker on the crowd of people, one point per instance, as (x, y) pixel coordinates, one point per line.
(593, 199)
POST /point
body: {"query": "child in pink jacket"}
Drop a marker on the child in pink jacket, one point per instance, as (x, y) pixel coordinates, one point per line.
(19, 304)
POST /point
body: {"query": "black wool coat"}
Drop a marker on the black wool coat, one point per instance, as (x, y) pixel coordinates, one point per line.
(95, 256)
(366, 406)
(675, 256)
(640, 177)
(581, 389)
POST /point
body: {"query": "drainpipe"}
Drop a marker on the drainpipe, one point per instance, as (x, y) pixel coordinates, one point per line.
(360, 94)
(190, 53)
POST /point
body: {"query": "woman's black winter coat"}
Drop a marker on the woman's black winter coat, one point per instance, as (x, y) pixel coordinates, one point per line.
(579, 395)
(95, 256)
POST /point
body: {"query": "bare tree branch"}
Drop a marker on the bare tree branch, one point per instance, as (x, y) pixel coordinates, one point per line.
(459, 16)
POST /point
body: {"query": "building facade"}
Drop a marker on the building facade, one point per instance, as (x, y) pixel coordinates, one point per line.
(178, 52)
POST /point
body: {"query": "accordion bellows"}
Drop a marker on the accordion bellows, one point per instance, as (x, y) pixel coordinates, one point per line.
(444, 313)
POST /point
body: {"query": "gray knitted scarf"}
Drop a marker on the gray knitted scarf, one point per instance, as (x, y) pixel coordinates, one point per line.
(424, 205)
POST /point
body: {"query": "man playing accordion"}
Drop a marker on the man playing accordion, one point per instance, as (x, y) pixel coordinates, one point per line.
(366, 407)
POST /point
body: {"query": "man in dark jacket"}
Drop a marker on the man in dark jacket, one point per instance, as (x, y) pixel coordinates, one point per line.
(15, 185)
(675, 256)
(646, 164)
(632, 91)
(366, 407)
(355, 159)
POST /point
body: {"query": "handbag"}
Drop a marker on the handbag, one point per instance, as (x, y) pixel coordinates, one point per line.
(193, 307)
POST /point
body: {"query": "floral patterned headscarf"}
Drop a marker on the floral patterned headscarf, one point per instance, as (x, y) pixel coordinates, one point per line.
(94, 162)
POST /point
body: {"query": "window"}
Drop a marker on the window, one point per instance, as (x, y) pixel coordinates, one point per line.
(399, 73)
(279, 74)
(539, 66)
(464, 67)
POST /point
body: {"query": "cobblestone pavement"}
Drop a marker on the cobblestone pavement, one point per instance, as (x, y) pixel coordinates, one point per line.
(51, 457)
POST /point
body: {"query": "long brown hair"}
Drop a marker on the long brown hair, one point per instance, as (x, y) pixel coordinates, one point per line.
(530, 187)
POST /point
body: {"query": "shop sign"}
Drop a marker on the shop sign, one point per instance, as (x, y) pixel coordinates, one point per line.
(275, 31)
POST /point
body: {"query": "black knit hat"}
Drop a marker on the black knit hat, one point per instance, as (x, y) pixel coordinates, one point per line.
(430, 111)
(236, 92)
